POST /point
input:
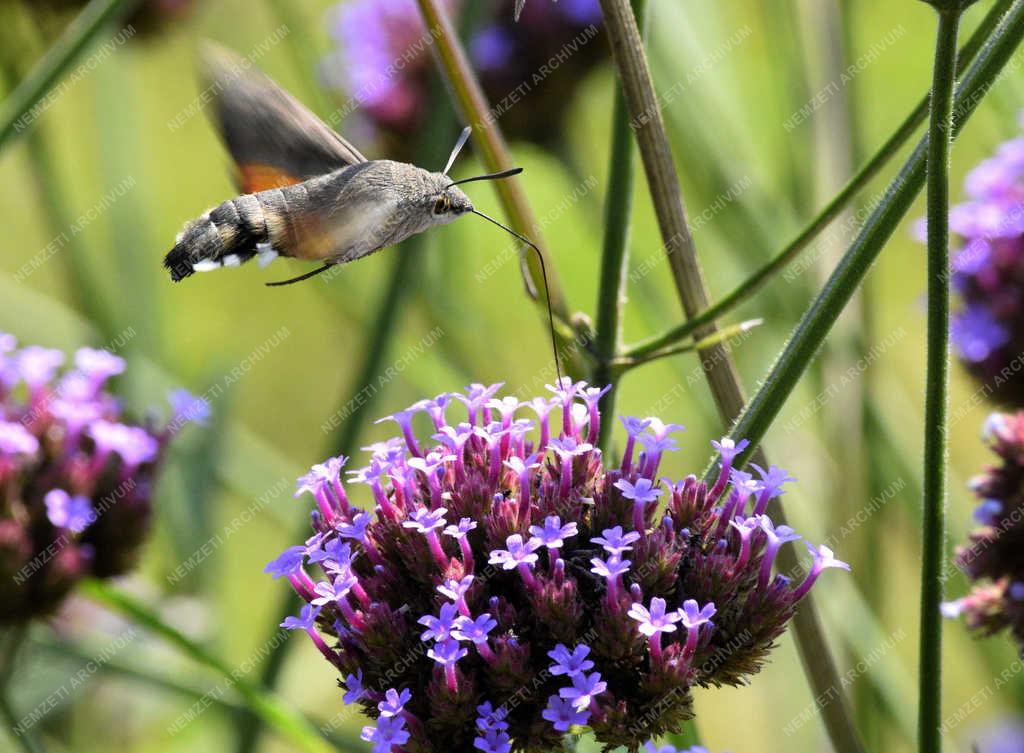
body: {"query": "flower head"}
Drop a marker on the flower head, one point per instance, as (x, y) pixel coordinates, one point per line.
(991, 557)
(77, 474)
(460, 602)
(987, 330)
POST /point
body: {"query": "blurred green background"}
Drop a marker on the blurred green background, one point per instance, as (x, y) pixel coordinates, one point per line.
(848, 435)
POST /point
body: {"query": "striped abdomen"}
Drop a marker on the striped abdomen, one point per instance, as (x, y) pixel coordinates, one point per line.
(226, 236)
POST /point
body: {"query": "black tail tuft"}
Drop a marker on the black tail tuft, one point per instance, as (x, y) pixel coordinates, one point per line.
(179, 263)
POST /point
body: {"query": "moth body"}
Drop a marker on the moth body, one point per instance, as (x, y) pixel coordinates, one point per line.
(334, 218)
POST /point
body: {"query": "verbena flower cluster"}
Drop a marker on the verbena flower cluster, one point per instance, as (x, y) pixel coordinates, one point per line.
(75, 478)
(508, 587)
(988, 273)
(384, 61)
(993, 558)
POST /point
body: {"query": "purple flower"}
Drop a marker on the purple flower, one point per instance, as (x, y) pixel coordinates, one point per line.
(728, 449)
(37, 365)
(488, 718)
(15, 439)
(476, 631)
(563, 714)
(642, 491)
(654, 620)
(614, 541)
(425, 521)
(134, 445)
(447, 653)
(64, 511)
(456, 589)
(518, 553)
(493, 741)
(287, 563)
(306, 619)
(459, 531)
(492, 47)
(976, 333)
(553, 534)
(99, 365)
(353, 687)
(585, 688)
(823, 558)
(356, 529)
(389, 732)
(332, 593)
(693, 618)
(439, 628)
(187, 407)
(611, 568)
(394, 702)
(570, 663)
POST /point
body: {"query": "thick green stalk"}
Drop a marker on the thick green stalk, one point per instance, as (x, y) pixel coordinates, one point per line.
(746, 289)
(270, 708)
(618, 208)
(15, 111)
(816, 322)
(719, 369)
(936, 401)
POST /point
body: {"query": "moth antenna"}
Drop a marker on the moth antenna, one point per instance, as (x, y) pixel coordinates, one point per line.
(489, 176)
(300, 278)
(463, 138)
(544, 277)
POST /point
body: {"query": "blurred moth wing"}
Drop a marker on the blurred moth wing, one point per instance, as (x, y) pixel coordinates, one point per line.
(274, 140)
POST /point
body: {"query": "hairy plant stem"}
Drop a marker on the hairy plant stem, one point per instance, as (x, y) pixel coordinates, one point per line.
(611, 295)
(746, 289)
(663, 182)
(79, 34)
(936, 403)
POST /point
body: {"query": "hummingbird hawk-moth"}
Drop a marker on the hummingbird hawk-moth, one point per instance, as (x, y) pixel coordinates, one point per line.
(307, 192)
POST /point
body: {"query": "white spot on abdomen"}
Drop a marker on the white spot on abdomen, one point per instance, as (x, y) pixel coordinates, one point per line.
(266, 254)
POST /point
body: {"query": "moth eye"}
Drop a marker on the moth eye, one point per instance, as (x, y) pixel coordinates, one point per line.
(441, 205)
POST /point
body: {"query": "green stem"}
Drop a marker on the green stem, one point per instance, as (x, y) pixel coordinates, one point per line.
(816, 322)
(936, 403)
(622, 364)
(618, 208)
(268, 706)
(746, 289)
(473, 104)
(15, 111)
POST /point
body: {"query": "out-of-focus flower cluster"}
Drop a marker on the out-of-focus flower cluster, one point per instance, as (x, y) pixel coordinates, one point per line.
(988, 273)
(529, 70)
(509, 587)
(75, 478)
(994, 558)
